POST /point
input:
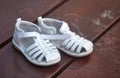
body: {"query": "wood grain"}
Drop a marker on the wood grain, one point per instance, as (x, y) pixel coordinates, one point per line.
(14, 65)
(104, 61)
(26, 9)
(86, 18)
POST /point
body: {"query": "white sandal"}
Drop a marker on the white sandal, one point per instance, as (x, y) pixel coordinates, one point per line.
(60, 35)
(28, 40)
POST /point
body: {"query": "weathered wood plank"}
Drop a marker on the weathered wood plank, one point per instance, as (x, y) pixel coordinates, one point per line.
(26, 9)
(14, 65)
(81, 16)
(103, 63)
(86, 18)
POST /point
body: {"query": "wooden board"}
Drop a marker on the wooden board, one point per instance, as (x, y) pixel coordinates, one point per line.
(14, 65)
(26, 9)
(86, 18)
(104, 61)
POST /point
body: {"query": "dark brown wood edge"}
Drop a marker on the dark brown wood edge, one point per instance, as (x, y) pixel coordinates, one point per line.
(5, 42)
(54, 8)
(35, 21)
(96, 38)
(108, 27)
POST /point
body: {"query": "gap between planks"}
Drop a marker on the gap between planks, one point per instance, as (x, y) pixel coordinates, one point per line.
(97, 37)
(44, 15)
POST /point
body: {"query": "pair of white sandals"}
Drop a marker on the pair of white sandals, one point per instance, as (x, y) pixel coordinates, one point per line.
(39, 43)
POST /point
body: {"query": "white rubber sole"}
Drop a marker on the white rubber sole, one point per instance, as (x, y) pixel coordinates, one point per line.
(34, 61)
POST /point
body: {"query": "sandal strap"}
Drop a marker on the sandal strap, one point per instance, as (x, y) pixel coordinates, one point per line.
(41, 57)
(76, 45)
(35, 52)
(27, 34)
(87, 45)
(32, 46)
(55, 37)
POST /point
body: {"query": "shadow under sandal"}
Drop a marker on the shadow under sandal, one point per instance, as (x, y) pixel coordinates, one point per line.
(58, 32)
(27, 39)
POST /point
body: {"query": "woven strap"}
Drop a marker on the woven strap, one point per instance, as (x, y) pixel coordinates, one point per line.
(27, 34)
